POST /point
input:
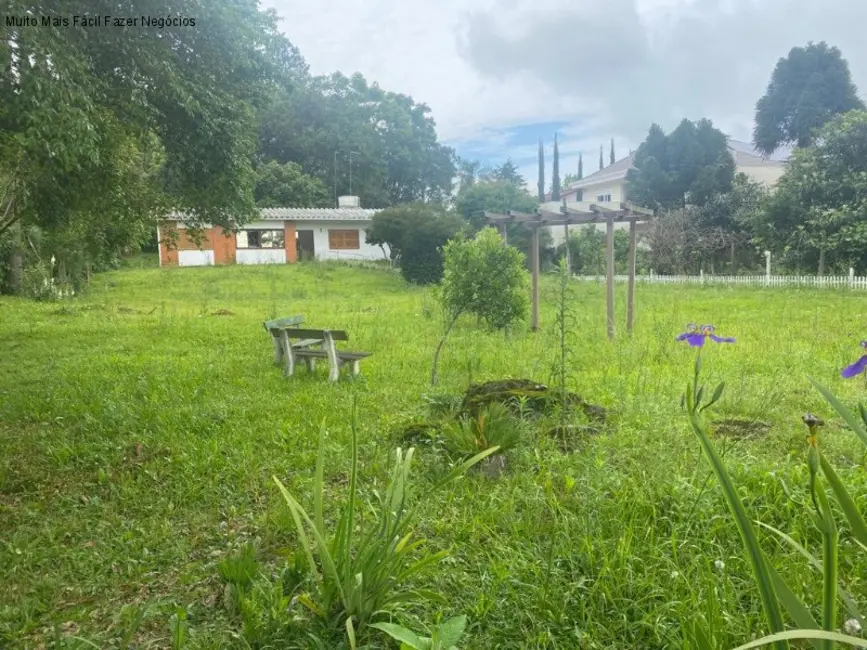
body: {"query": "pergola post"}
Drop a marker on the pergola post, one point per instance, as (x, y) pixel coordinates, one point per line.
(565, 211)
(609, 279)
(579, 214)
(630, 291)
(535, 264)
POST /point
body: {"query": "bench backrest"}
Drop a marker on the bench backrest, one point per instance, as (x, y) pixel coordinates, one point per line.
(282, 323)
(337, 335)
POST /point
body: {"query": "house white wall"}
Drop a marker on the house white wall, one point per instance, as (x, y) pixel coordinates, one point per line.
(196, 258)
(322, 250)
(767, 174)
(616, 188)
(260, 256)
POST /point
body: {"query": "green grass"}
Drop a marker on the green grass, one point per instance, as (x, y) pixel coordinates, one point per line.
(139, 433)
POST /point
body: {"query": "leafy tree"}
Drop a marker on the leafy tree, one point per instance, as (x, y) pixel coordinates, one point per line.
(288, 186)
(468, 173)
(414, 234)
(396, 157)
(99, 131)
(508, 172)
(688, 166)
(818, 211)
(726, 220)
(587, 249)
(390, 227)
(541, 184)
(569, 178)
(484, 278)
(807, 88)
(500, 197)
(611, 155)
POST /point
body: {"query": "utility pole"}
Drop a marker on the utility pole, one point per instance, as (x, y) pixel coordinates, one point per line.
(335, 178)
(351, 153)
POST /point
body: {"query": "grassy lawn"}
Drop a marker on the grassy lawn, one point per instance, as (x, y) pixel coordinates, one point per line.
(140, 427)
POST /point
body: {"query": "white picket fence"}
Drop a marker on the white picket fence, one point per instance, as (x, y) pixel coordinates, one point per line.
(825, 282)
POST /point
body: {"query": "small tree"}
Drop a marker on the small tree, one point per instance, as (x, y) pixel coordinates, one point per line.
(414, 234)
(483, 277)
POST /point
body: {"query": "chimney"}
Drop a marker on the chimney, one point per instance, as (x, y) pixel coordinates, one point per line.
(348, 202)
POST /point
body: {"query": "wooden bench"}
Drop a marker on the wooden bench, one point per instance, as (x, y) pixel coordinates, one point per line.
(318, 344)
(274, 327)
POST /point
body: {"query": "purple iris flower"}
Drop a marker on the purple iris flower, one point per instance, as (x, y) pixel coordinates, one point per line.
(696, 334)
(856, 368)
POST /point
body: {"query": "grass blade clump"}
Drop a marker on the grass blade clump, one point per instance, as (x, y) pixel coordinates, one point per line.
(364, 567)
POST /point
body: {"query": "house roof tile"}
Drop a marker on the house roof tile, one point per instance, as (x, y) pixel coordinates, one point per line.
(306, 214)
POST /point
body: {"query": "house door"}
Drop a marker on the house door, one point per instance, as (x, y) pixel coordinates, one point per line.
(304, 245)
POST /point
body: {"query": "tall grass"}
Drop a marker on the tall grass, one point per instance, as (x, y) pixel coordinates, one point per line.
(775, 593)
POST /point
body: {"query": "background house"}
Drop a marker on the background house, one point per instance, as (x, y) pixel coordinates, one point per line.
(281, 236)
(608, 185)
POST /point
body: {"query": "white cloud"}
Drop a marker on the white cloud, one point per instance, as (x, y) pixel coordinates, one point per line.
(612, 66)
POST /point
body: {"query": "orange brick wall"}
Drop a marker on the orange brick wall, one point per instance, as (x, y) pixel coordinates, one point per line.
(168, 256)
(289, 242)
(224, 246)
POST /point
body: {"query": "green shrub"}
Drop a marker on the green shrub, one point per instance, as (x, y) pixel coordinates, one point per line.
(493, 426)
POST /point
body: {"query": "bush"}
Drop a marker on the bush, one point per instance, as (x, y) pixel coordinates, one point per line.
(415, 235)
(492, 426)
(482, 277)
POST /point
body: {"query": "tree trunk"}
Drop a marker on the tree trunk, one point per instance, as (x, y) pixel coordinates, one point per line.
(821, 262)
(434, 377)
(16, 262)
(732, 258)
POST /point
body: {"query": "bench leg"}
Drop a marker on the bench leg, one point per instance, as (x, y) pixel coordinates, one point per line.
(278, 350)
(356, 368)
(333, 361)
(311, 364)
(287, 354)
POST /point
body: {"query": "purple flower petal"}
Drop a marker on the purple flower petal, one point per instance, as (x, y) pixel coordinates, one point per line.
(682, 336)
(696, 340)
(722, 339)
(855, 369)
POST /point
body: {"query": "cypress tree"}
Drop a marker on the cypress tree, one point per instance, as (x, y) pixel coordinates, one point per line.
(580, 167)
(601, 159)
(555, 181)
(541, 172)
(611, 158)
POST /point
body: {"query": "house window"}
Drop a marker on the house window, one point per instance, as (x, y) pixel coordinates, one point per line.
(260, 239)
(343, 240)
(603, 198)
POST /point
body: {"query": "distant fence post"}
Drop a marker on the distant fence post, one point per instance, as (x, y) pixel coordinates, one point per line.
(701, 276)
(851, 277)
(767, 268)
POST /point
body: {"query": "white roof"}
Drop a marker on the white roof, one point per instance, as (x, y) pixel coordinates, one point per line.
(305, 214)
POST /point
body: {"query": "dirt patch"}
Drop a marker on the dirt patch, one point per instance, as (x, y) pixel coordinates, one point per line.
(526, 395)
(740, 428)
(223, 312)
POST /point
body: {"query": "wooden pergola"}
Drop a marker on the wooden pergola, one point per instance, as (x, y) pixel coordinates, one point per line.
(587, 213)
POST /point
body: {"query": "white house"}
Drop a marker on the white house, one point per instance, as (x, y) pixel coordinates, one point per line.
(608, 185)
(280, 236)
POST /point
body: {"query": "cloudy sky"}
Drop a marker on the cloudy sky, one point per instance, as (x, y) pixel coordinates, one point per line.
(500, 74)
